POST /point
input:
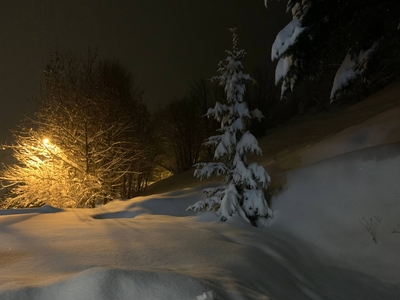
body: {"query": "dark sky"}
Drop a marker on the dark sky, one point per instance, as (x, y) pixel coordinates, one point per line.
(165, 44)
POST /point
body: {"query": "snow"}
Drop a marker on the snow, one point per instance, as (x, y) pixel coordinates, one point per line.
(375, 131)
(319, 245)
(283, 41)
(219, 110)
(286, 38)
(257, 114)
(345, 73)
(205, 170)
(351, 68)
(230, 204)
(282, 68)
(251, 206)
(248, 143)
(232, 145)
(226, 144)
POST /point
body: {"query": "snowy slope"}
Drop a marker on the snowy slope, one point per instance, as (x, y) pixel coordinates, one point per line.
(150, 248)
(299, 142)
(380, 129)
(352, 212)
(335, 235)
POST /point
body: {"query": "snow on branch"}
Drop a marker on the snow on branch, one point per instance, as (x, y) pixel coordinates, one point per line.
(226, 145)
(350, 68)
(212, 202)
(257, 114)
(213, 140)
(260, 174)
(205, 170)
(286, 38)
(243, 175)
(251, 204)
(253, 175)
(230, 204)
(238, 125)
(241, 109)
(284, 41)
(282, 68)
(218, 111)
(248, 143)
(209, 204)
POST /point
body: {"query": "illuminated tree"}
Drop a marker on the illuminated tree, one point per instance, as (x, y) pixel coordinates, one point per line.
(242, 193)
(45, 175)
(92, 118)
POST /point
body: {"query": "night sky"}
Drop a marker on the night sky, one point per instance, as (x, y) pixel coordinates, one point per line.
(165, 44)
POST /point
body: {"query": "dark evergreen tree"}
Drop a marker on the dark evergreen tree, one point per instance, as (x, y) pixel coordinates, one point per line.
(362, 36)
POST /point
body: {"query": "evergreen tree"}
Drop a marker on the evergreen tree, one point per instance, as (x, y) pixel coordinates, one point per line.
(360, 37)
(242, 193)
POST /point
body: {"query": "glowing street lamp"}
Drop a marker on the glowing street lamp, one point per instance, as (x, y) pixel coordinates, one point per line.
(49, 146)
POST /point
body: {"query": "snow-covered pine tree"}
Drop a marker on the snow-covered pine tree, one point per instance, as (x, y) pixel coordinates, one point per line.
(242, 193)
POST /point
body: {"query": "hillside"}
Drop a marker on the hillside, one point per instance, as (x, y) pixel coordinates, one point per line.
(335, 233)
(287, 147)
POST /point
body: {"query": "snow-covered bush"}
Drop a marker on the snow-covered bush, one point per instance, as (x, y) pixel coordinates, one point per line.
(242, 193)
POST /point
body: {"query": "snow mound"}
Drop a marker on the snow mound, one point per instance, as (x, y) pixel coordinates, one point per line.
(348, 207)
(171, 204)
(117, 284)
(335, 235)
(49, 209)
(121, 214)
(379, 130)
(41, 210)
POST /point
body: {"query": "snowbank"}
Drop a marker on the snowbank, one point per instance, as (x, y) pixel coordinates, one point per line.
(348, 207)
(318, 246)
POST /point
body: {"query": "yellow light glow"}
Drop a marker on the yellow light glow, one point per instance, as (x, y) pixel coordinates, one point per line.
(46, 141)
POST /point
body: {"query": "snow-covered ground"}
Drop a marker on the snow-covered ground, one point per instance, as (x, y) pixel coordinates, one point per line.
(335, 235)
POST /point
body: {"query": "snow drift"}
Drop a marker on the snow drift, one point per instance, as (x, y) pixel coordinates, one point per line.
(316, 247)
(335, 235)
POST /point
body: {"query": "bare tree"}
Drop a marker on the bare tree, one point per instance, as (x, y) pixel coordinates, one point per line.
(264, 95)
(180, 134)
(205, 93)
(181, 130)
(85, 140)
(46, 175)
